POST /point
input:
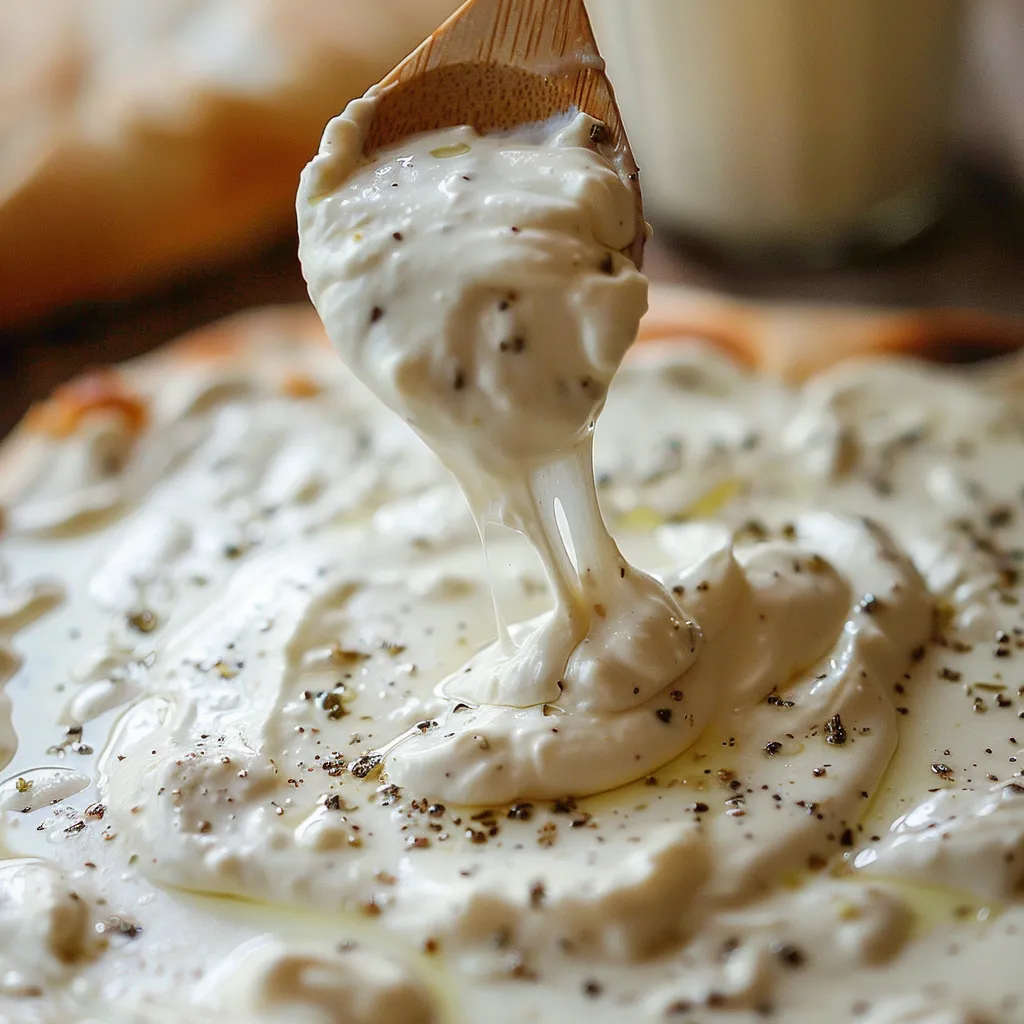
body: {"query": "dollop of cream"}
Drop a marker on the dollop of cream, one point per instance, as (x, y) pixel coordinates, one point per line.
(44, 927)
(513, 242)
(969, 841)
(270, 983)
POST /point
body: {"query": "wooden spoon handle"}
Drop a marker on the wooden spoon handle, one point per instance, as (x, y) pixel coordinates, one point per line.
(546, 37)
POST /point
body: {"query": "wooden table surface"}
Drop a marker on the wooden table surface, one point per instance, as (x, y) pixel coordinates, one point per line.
(975, 257)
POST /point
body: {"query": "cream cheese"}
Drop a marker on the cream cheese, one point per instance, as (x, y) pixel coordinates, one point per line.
(290, 638)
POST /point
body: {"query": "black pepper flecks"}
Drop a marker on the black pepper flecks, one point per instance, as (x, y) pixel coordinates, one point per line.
(835, 732)
(537, 894)
(144, 621)
(364, 764)
(790, 954)
(330, 702)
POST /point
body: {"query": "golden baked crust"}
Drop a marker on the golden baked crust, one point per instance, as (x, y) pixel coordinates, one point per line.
(795, 341)
(126, 391)
(277, 349)
(138, 140)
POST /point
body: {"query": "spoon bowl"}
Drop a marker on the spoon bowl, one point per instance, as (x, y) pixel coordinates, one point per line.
(496, 65)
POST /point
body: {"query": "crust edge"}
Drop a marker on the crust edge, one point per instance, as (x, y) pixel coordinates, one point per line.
(790, 342)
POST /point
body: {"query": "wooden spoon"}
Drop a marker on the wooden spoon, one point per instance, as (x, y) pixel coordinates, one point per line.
(498, 64)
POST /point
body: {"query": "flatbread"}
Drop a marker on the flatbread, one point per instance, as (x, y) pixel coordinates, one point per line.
(141, 139)
(284, 350)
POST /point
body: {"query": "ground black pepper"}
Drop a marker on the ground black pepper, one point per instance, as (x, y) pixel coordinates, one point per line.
(835, 733)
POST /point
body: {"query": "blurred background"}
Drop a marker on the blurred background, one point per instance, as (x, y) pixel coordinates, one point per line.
(863, 151)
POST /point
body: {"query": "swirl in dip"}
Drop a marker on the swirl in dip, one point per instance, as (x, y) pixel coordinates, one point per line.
(754, 758)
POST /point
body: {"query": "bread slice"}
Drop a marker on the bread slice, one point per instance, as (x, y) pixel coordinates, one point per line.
(139, 141)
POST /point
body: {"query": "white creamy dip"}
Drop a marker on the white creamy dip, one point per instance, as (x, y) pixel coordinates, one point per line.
(512, 243)
(238, 653)
(287, 592)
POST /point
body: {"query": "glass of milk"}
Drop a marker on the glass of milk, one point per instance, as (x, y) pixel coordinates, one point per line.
(805, 125)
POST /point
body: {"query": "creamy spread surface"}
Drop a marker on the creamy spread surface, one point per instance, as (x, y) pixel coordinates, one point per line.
(512, 244)
(268, 757)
